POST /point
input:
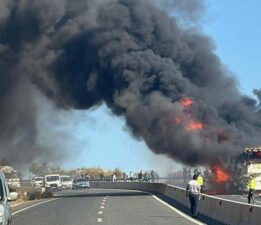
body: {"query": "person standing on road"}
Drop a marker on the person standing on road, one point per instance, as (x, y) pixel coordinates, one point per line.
(200, 181)
(140, 176)
(125, 176)
(131, 177)
(251, 187)
(114, 177)
(193, 192)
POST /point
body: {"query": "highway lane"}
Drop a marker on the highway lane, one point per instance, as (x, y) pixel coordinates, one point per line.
(97, 206)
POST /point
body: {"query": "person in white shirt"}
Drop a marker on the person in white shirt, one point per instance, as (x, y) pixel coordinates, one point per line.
(193, 192)
(114, 177)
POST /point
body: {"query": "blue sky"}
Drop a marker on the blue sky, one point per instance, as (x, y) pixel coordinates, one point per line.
(102, 138)
(235, 27)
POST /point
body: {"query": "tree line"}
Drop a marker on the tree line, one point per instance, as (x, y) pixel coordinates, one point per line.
(44, 168)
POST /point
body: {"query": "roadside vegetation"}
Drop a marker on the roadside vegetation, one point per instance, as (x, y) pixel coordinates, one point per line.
(94, 172)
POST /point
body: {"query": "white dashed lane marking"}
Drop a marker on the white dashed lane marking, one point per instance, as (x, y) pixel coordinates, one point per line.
(99, 220)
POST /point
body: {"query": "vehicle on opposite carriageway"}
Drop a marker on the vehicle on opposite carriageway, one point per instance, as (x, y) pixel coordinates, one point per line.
(37, 181)
(80, 183)
(67, 182)
(53, 181)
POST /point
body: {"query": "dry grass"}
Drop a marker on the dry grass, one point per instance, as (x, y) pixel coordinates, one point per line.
(19, 201)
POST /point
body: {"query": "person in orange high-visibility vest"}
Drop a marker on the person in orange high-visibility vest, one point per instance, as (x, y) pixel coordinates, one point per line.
(251, 187)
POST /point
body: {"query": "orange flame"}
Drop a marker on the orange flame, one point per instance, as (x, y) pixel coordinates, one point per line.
(186, 102)
(186, 118)
(194, 125)
(221, 175)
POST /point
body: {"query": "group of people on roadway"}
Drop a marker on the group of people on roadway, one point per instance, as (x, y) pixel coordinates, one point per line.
(196, 186)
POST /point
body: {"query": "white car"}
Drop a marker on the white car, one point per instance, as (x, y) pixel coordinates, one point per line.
(66, 182)
(5, 197)
(80, 183)
(53, 181)
(37, 182)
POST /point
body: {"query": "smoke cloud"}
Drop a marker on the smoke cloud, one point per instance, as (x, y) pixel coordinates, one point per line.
(130, 55)
(189, 10)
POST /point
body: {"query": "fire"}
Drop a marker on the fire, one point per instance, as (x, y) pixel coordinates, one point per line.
(221, 175)
(194, 125)
(186, 102)
(185, 119)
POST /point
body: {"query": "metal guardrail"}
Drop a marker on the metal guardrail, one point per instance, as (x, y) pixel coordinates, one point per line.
(166, 180)
(173, 181)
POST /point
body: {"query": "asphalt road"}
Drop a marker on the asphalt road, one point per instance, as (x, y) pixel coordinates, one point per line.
(96, 206)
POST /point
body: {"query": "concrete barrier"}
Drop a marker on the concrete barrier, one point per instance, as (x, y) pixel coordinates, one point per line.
(222, 210)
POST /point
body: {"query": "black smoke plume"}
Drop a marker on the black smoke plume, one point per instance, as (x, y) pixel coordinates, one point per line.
(130, 55)
(189, 10)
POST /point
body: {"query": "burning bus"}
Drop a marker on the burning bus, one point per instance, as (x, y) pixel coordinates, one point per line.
(251, 160)
(234, 179)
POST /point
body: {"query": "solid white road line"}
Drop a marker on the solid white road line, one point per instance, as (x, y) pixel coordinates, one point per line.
(177, 211)
(29, 207)
(100, 212)
(99, 220)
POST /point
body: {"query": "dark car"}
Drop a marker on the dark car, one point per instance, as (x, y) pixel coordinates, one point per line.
(80, 183)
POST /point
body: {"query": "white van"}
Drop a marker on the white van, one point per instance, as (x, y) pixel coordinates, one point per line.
(5, 197)
(53, 181)
(37, 182)
(66, 182)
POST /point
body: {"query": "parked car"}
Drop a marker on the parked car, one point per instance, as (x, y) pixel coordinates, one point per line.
(37, 182)
(53, 181)
(80, 183)
(66, 182)
(5, 197)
